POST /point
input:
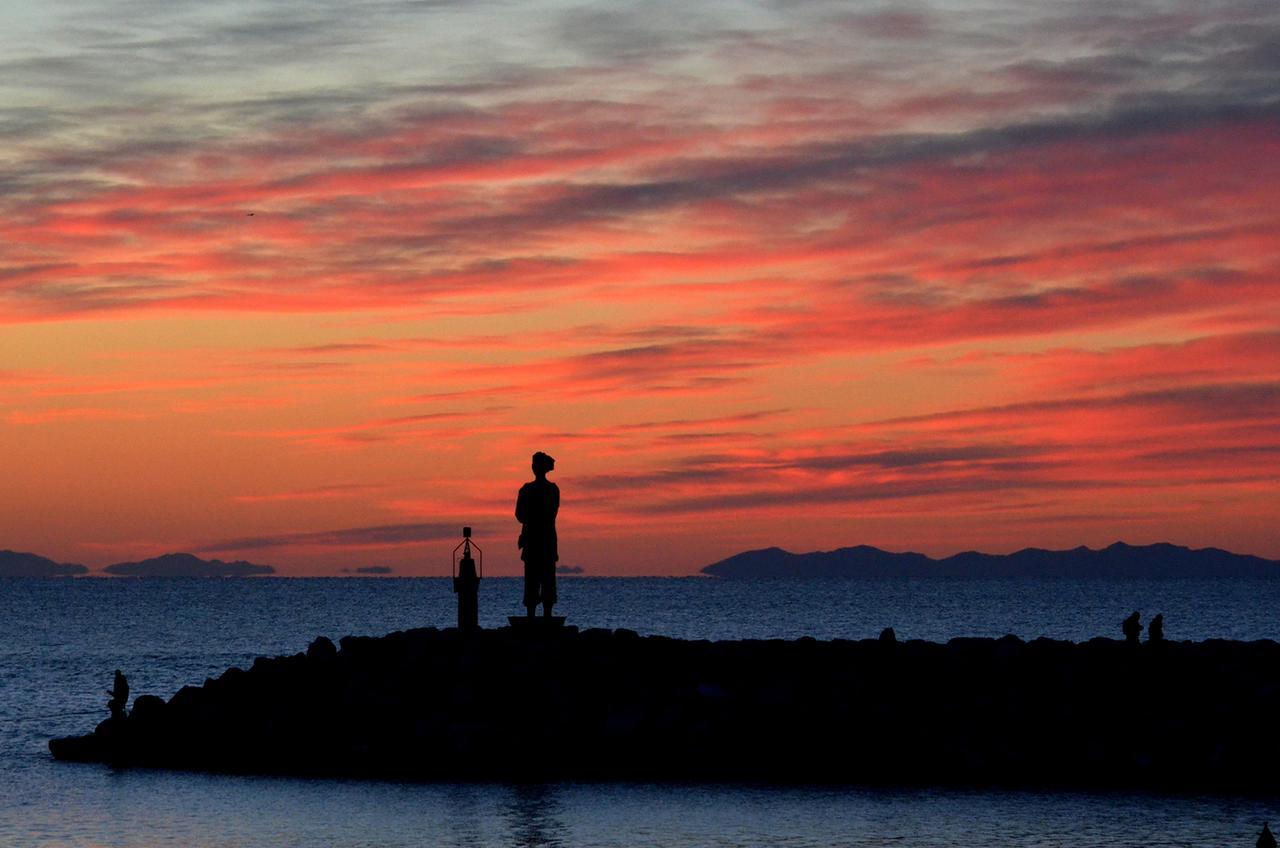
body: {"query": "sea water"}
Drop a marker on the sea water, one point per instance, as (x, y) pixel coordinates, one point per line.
(61, 640)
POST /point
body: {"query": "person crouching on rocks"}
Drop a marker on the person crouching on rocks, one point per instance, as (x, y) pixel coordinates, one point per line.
(536, 508)
(1132, 627)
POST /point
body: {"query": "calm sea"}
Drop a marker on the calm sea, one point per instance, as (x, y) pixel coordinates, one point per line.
(60, 641)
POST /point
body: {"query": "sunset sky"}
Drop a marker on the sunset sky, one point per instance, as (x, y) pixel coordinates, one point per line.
(307, 283)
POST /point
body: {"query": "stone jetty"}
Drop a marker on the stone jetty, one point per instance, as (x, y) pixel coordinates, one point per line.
(511, 704)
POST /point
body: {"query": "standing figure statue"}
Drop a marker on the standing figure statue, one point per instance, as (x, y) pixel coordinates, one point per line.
(536, 509)
(119, 693)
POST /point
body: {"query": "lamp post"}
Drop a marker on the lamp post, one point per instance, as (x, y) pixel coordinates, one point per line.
(466, 582)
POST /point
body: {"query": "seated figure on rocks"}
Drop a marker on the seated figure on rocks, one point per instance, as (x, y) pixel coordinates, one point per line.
(1155, 630)
(1132, 627)
(536, 509)
(119, 693)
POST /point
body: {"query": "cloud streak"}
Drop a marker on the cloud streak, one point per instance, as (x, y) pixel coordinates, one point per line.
(383, 535)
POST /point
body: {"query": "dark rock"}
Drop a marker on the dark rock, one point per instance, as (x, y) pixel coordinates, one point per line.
(82, 749)
(321, 649)
(147, 709)
(712, 690)
(186, 697)
(109, 728)
(506, 705)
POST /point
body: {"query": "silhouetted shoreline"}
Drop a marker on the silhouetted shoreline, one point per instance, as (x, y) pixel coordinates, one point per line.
(21, 564)
(1160, 561)
(442, 705)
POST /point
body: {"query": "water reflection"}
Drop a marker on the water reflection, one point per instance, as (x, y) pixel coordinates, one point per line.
(61, 635)
(534, 816)
(466, 814)
(130, 809)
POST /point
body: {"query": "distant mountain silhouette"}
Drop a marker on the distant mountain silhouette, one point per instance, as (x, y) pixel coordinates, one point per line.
(1117, 560)
(187, 565)
(369, 569)
(570, 569)
(16, 564)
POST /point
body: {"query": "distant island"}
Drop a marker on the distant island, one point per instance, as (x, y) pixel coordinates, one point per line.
(369, 569)
(1118, 560)
(17, 564)
(187, 565)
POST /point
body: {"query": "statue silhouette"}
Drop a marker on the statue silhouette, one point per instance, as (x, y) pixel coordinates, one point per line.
(1132, 627)
(536, 508)
(119, 693)
(1155, 630)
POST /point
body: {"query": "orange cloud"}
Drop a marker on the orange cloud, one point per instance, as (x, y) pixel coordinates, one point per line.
(752, 286)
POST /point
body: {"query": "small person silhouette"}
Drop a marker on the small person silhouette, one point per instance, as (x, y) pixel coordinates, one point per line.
(1265, 839)
(119, 693)
(536, 509)
(1132, 627)
(1155, 630)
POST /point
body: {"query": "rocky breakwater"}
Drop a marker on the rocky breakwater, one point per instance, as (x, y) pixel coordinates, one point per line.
(501, 704)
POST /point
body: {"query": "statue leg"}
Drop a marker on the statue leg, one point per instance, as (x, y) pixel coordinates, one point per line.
(530, 588)
(548, 588)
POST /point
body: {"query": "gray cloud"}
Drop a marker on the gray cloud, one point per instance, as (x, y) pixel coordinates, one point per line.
(940, 470)
(1237, 453)
(381, 534)
(1218, 71)
(730, 470)
(1255, 401)
(730, 177)
(642, 30)
(865, 492)
(911, 458)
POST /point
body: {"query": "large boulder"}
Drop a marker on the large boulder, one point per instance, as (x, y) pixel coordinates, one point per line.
(147, 708)
(321, 649)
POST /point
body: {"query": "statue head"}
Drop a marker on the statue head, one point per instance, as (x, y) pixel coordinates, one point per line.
(542, 463)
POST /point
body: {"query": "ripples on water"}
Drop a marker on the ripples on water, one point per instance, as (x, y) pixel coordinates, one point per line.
(60, 641)
(146, 809)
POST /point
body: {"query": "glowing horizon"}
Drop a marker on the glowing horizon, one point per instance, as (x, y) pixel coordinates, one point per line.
(308, 290)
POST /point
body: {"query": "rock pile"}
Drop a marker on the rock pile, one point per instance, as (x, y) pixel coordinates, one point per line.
(597, 704)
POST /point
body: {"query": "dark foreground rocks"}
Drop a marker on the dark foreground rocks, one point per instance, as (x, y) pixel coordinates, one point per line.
(498, 704)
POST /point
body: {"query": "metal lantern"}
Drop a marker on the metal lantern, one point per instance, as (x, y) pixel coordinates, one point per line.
(466, 582)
